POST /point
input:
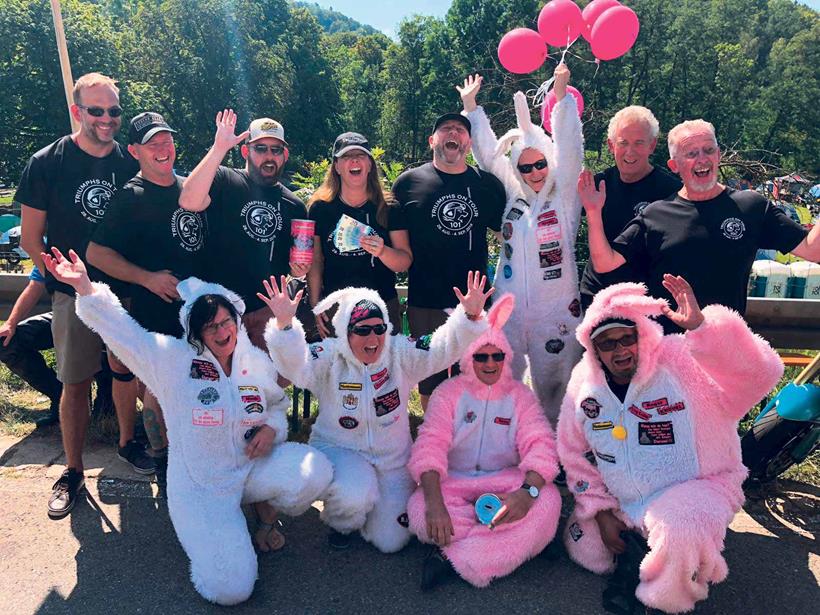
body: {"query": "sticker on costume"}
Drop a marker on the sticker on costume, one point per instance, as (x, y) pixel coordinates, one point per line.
(655, 403)
(733, 228)
(507, 230)
(208, 396)
(385, 404)
(591, 407)
(645, 416)
(423, 343)
(204, 370)
(563, 329)
(203, 417)
(554, 346)
(250, 399)
(676, 407)
(254, 408)
(514, 214)
(575, 308)
(350, 401)
(507, 272)
(403, 520)
(502, 420)
(249, 388)
(590, 457)
(602, 425)
(547, 217)
(581, 486)
(654, 434)
(508, 250)
(316, 350)
(605, 457)
(250, 422)
(469, 417)
(350, 386)
(348, 422)
(575, 532)
(552, 274)
(379, 378)
(550, 258)
(548, 234)
(549, 245)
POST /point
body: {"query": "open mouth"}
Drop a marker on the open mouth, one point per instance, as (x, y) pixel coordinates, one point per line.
(162, 160)
(451, 145)
(623, 362)
(489, 371)
(702, 173)
(371, 351)
(224, 342)
(355, 172)
(269, 167)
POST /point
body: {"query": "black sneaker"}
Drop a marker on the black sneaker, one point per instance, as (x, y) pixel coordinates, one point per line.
(619, 596)
(437, 569)
(133, 453)
(161, 475)
(339, 541)
(64, 493)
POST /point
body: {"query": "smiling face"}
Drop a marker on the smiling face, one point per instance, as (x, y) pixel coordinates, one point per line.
(450, 144)
(367, 348)
(219, 334)
(353, 168)
(620, 360)
(264, 165)
(156, 158)
(536, 178)
(488, 372)
(632, 146)
(696, 159)
(98, 130)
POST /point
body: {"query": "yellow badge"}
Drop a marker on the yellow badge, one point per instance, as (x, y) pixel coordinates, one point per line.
(619, 433)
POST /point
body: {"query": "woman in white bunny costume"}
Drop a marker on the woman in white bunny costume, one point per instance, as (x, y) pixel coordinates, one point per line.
(537, 262)
(362, 380)
(226, 424)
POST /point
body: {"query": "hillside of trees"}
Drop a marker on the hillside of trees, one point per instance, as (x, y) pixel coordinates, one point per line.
(749, 66)
(334, 21)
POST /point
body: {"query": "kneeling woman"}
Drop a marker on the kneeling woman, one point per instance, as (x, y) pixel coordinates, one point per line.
(484, 432)
(362, 380)
(226, 423)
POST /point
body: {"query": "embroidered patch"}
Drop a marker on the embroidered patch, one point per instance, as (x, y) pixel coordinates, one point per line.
(645, 416)
(423, 343)
(575, 532)
(254, 408)
(469, 417)
(591, 407)
(250, 399)
(655, 403)
(379, 378)
(514, 214)
(547, 217)
(350, 386)
(548, 246)
(502, 420)
(575, 308)
(563, 329)
(403, 520)
(316, 350)
(507, 230)
(552, 274)
(508, 250)
(385, 404)
(250, 422)
(602, 426)
(550, 258)
(350, 401)
(581, 486)
(590, 457)
(507, 272)
(207, 418)
(203, 370)
(654, 434)
(548, 234)
(249, 388)
(605, 457)
(208, 395)
(348, 422)
(676, 407)
(554, 346)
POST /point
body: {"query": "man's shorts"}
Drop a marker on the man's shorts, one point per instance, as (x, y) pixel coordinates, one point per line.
(423, 321)
(76, 347)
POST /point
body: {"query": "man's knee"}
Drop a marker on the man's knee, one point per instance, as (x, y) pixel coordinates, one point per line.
(77, 392)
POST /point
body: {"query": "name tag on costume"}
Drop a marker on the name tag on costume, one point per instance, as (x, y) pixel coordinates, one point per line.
(208, 418)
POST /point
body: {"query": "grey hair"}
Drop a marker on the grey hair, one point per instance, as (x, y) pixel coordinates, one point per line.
(633, 113)
(677, 133)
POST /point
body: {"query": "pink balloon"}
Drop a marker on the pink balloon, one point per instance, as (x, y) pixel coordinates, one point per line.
(592, 12)
(522, 50)
(614, 33)
(560, 22)
(552, 100)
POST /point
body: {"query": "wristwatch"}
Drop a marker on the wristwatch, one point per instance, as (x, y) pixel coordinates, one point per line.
(531, 489)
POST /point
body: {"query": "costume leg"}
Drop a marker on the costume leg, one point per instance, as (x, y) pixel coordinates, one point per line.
(686, 526)
(584, 545)
(290, 479)
(553, 353)
(353, 491)
(387, 524)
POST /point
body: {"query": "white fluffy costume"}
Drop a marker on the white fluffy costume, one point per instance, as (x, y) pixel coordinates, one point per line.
(208, 414)
(363, 425)
(537, 261)
(676, 477)
(484, 439)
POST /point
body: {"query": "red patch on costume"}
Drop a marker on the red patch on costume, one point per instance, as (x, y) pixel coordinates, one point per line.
(676, 407)
(379, 378)
(207, 418)
(644, 416)
(655, 403)
(502, 420)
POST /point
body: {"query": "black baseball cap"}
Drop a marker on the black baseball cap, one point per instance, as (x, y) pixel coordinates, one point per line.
(146, 125)
(348, 141)
(453, 116)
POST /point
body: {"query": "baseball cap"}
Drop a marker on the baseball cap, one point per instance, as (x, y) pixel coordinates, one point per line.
(146, 125)
(266, 127)
(611, 323)
(348, 141)
(453, 116)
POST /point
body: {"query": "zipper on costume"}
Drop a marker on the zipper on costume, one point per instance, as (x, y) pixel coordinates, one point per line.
(483, 428)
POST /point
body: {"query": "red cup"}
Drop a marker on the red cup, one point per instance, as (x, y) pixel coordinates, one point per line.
(302, 233)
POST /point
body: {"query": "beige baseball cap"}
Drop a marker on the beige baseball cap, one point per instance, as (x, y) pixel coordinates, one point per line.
(266, 127)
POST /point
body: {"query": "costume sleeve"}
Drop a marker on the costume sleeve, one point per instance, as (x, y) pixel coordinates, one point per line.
(484, 149)
(278, 404)
(742, 364)
(431, 448)
(291, 355)
(148, 355)
(534, 438)
(583, 478)
(432, 353)
(569, 145)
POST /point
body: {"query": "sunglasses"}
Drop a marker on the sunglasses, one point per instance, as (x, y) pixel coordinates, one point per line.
(630, 339)
(483, 357)
(261, 148)
(364, 330)
(526, 169)
(100, 111)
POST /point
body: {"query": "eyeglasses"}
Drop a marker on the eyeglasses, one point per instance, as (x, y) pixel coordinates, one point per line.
(526, 169)
(214, 327)
(630, 339)
(261, 148)
(100, 111)
(483, 357)
(364, 330)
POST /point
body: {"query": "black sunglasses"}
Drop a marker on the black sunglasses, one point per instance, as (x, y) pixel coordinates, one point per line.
(483, 357)
(100, 111)
(364, 330)
(526, 169)
(261, 148)
(630, 339)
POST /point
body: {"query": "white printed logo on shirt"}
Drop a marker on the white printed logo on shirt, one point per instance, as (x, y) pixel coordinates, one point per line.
(93, 197)
(261, 220)
(454, 214)
(186, 226)
(733, 228)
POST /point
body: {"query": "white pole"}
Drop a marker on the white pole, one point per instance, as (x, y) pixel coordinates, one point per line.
(65, 63)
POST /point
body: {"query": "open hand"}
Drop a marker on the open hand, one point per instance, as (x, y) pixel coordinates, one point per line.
(688, 315)
(469, 91)
(593, 200)
(279, 301)
(225, 138)
(71, 272)
(473, 302)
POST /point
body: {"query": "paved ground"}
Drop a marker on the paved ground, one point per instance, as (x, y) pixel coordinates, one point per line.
(117, 553)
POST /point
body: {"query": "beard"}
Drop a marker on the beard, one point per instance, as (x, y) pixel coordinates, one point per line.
(258, 177)
(450, 156)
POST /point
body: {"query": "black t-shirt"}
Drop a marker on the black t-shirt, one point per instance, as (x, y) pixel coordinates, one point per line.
(357, 268)
(624, 201)
(146, 225)
(712, 244)
(74, 189)
(447, 216)
(250, 233)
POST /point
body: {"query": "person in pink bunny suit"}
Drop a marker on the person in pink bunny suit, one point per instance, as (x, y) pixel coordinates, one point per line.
(647, 435)
(483, 432)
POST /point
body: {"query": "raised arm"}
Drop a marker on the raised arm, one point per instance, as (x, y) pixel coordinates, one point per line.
(603, 257)
(567, 134)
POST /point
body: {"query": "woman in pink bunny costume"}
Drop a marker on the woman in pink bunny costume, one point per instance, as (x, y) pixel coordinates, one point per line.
(484, 432)
(647, 435)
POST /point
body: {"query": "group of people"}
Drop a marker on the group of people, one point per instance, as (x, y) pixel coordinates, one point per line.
(190, 287)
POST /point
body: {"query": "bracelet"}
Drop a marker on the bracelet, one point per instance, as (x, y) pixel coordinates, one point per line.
(473, 317)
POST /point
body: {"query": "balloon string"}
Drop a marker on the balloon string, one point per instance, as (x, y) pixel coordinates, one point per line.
(542, 91)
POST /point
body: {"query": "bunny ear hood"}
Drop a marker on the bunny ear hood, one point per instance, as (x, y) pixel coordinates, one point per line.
(192, 289)
(497, 317)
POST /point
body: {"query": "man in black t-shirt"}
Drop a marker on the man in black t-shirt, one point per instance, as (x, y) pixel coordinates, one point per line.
(249, 213)
(631, 185)
(707, 233)
(447, 207)
(66, 187)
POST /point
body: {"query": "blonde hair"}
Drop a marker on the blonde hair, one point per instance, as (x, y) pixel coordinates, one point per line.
(633, 113)
(332, 186)
(89, 80)
(677, 133)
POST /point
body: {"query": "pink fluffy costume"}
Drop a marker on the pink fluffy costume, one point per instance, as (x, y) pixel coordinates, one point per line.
(484, 439)
(676, 476)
